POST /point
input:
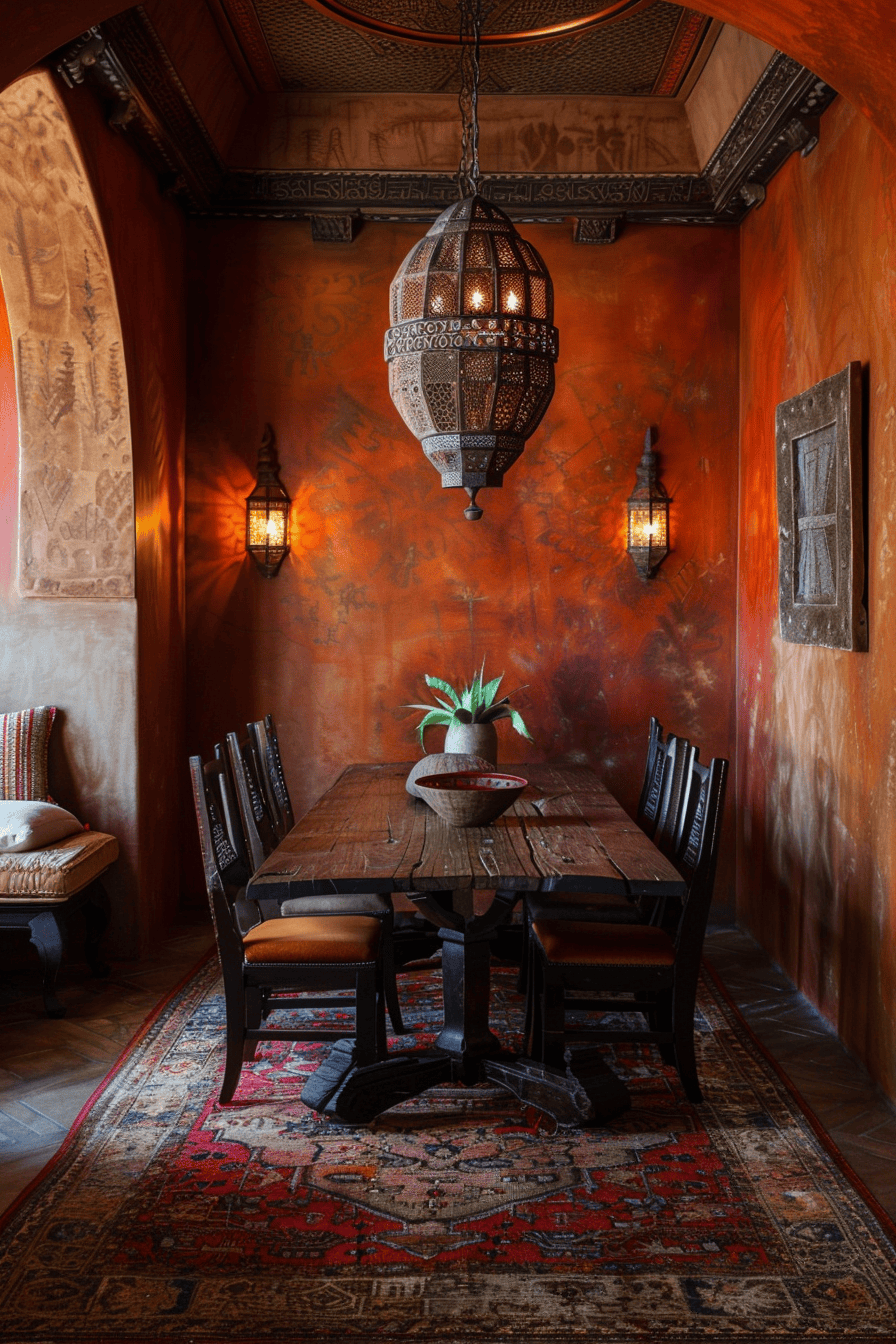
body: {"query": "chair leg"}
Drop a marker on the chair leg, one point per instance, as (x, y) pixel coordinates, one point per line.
(552, 1011)
(390, 984)
(255, 1011)
(685, 1056)
(235, 1039)
(368, 1016)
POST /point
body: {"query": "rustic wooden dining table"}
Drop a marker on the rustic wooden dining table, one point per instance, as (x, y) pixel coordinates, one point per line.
(565, 833)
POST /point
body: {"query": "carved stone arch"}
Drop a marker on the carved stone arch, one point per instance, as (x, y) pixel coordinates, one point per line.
(76, 488)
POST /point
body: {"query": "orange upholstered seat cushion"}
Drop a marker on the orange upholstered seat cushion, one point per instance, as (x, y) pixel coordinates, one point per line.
(573, 942)
(322, 938)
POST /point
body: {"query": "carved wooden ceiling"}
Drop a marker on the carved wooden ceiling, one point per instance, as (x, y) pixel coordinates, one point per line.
(338, 111)
(636, 48)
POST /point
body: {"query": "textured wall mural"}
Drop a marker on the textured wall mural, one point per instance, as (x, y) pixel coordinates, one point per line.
(76, 486)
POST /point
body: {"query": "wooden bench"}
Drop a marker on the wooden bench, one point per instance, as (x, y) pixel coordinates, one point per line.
(42, 888)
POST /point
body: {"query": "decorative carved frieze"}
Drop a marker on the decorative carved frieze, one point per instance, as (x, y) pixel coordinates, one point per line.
(127, 62)
(780, 115)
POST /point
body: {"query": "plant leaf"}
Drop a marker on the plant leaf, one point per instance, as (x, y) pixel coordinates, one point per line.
(490, 690)
(441, 685)
(517, 720)
(499, 711)
(466, 699)
(462, 716)
(434, 716)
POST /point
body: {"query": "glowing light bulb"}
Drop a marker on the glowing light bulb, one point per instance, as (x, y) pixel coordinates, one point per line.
(512, 302)
(477, 300)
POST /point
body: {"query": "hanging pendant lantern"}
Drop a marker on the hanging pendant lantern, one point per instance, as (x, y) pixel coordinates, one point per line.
(472, 345)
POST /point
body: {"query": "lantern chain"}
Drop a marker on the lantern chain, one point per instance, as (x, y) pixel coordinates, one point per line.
(472, 13)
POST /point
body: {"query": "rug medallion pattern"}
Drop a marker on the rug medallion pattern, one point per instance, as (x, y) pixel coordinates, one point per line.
(457, 1217)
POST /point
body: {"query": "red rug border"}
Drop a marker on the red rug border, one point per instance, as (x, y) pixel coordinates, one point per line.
(148, 1023)
(888, 1225)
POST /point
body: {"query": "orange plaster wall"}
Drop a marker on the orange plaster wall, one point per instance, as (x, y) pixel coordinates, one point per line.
(817, 727)
(388, 581)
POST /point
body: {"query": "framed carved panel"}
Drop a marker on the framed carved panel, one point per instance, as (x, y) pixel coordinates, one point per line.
(818, 437)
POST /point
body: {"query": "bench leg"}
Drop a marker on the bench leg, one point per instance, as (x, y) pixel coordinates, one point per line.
(96, 921)
(48, 937)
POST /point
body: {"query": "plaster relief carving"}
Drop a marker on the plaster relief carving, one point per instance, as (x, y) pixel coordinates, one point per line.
(76, 506)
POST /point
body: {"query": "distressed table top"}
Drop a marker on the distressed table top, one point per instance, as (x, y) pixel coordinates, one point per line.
(566, 832)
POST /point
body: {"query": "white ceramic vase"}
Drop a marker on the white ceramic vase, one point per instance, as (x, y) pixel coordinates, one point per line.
(473, 739)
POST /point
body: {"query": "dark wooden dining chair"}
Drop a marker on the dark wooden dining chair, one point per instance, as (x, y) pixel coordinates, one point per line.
(661, 815)
(263, 736)
(267, 962)
(644, 967)
(260, 840)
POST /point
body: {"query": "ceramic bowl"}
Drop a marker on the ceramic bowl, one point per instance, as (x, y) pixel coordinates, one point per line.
(446, 763)
(470, 797)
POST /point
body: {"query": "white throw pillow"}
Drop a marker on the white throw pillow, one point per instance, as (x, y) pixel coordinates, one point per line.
(25, 826)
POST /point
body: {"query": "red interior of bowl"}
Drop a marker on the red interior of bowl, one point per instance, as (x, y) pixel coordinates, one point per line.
(472, 779)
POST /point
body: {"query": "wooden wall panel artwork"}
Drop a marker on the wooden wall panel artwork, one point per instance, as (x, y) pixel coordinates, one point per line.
(818, 438)
(76, 535)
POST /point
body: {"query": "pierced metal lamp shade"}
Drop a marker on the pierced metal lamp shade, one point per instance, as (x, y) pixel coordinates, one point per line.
(648, 514)
(267, 512)
(472, 345)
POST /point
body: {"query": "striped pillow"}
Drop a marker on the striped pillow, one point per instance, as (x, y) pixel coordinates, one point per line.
(24, 738)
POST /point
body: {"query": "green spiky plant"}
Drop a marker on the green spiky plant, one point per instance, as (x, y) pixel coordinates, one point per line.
(476, 703)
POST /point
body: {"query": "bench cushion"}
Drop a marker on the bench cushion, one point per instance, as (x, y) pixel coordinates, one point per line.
(57, 871)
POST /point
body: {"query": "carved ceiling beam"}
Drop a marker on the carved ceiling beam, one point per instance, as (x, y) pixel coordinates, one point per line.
(127, 63)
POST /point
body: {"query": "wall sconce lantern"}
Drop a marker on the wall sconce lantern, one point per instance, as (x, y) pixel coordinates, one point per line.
(648, 514)
(267, 512)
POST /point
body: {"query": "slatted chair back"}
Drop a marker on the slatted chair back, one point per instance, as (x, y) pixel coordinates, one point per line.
(263, 734)
(661, 792)
(698, 850)
(220, 826)
(257, 823)
(648, 802)
(266, 962)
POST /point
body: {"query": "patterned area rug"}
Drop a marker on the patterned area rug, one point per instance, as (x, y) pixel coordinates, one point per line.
(458, 1218)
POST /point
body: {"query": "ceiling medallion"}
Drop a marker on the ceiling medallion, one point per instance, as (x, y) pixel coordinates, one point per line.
(574, 17)
(472, 345)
